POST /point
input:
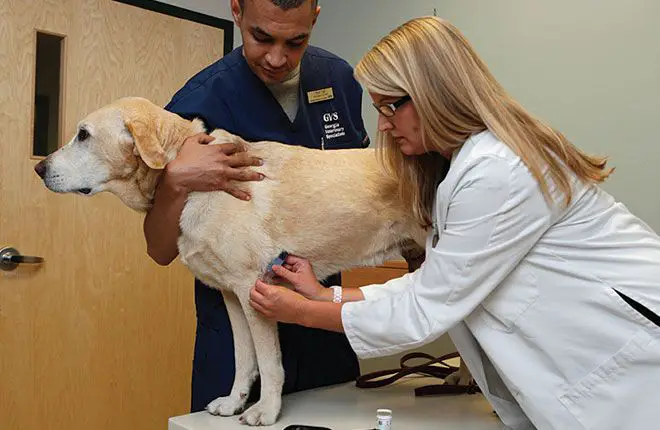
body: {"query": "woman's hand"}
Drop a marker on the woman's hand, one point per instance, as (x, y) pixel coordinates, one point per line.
(277, 303)
(298, 272)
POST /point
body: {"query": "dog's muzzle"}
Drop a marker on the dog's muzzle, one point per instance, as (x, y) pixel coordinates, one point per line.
(41, 168)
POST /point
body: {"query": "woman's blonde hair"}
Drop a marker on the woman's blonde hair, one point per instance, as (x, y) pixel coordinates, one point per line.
(455, 96)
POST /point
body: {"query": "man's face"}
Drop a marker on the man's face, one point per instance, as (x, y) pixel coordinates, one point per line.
(274, 40)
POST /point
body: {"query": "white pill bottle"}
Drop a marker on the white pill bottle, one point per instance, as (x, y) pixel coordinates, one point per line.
(384, 419)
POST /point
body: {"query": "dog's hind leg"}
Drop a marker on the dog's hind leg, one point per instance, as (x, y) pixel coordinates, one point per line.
(245, 358)
(269, 358)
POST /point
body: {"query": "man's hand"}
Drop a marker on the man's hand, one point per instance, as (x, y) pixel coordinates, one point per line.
(197, 167)
(203, 167)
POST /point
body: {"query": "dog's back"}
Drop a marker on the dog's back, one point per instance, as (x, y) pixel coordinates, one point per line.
(336, 208)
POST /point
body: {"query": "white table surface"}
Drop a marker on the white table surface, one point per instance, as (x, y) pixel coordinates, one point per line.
(345, 407)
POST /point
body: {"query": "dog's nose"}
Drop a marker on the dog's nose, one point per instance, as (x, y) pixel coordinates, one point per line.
(41, 168)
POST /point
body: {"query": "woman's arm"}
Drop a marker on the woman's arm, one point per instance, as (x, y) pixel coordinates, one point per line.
(311, 304)
(323, 315)
(495, 216)
(349, 294)
(298, 272)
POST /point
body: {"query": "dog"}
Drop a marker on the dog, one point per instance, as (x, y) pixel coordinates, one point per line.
(227, 243)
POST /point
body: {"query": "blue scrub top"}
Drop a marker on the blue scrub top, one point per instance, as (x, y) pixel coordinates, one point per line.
(228, 95)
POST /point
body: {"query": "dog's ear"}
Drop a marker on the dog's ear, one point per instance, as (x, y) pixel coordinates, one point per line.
(147, 145)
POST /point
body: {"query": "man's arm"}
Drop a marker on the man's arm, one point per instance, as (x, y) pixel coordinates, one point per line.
(197, 167)
(161, 225)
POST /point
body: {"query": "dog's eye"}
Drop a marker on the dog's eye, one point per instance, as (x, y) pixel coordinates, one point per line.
(82, 134)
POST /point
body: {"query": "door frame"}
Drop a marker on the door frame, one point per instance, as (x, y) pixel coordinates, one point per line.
(179, 12)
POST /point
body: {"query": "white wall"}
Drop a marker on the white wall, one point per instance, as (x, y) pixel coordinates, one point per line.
(590, 67)
(217, 8)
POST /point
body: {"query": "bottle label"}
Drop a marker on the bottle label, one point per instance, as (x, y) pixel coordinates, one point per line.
(384, 424)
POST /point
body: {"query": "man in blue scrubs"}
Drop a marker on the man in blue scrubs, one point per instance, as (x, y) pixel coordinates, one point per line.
(274, 87)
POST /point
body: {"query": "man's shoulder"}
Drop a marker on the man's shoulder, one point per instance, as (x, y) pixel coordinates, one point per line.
(216, 75)
(225, 65)
(327, 58)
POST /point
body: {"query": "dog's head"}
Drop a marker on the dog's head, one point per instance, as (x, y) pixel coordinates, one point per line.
(120, 148)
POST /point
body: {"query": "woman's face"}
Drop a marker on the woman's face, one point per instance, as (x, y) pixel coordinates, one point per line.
(398, 117)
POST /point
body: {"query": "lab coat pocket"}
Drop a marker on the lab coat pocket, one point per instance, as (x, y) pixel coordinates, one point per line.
(620, 393)
(510, 300)
(643, 314)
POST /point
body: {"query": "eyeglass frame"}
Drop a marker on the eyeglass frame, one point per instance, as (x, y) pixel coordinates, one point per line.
(392, 106)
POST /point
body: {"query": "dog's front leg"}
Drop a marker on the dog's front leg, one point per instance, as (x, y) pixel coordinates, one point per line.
(269, 358)
(245, 358)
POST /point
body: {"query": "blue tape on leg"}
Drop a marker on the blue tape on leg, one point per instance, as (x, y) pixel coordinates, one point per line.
(278, 261)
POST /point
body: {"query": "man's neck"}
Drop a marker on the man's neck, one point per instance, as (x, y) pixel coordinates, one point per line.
(286, 93)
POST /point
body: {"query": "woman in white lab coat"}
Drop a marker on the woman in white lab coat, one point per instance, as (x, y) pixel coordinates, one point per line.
(548, 287)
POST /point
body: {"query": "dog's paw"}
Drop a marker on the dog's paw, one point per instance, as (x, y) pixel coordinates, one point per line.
(261, 414)
(227, 406)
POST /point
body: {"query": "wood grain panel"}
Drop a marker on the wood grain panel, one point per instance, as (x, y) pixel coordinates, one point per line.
(100, 337)
(362, 276)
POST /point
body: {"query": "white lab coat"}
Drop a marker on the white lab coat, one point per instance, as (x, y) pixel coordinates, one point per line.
(526, 291)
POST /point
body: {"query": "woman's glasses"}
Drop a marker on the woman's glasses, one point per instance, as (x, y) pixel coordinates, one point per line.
(388, 109)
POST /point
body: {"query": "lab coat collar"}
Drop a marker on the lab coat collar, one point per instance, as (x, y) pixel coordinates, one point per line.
(467, 146)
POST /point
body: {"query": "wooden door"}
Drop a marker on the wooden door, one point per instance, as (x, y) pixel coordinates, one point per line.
(98, 337)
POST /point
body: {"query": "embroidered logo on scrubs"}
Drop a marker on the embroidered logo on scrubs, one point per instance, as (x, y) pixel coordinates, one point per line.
(320, 95)
(332, 127)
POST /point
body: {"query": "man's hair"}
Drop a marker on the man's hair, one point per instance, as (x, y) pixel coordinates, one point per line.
(284, 4)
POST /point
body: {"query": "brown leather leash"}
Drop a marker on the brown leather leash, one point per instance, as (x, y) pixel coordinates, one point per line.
(433, 366)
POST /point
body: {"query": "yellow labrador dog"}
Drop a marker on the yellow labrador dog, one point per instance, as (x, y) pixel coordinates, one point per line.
(226, 242)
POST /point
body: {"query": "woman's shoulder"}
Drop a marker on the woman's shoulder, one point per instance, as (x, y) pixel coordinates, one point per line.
(483, 154)
(483, 145)
(485, 162)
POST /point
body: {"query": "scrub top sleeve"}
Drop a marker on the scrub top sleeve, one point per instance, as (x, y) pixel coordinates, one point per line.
(198, 103)
(495, 215)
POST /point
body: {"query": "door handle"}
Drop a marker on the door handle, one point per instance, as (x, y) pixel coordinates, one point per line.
(10, 258)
